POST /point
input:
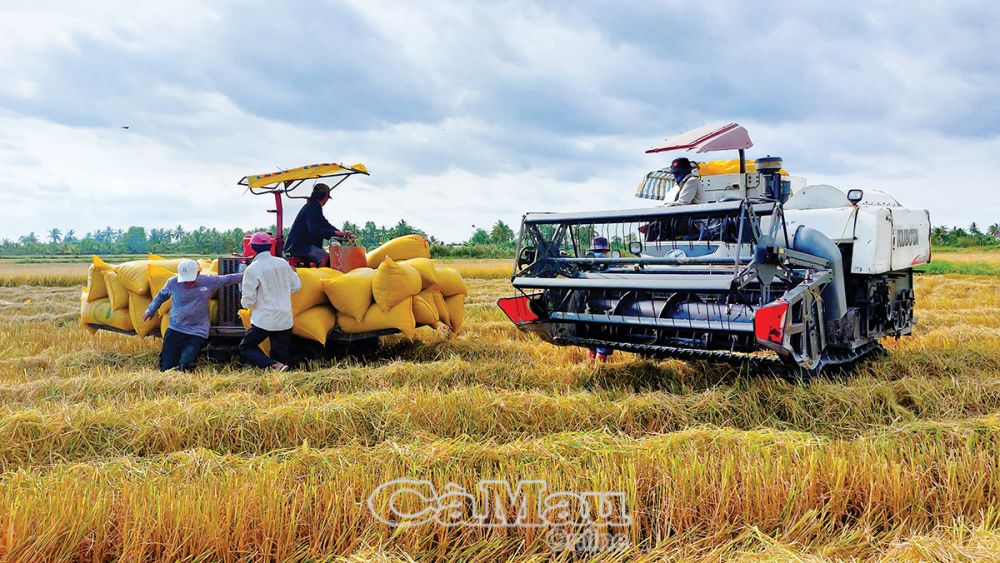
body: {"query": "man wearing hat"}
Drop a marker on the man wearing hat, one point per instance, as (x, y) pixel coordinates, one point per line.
(189, 292)
(688, 181)
(310, 228)
(268, 285)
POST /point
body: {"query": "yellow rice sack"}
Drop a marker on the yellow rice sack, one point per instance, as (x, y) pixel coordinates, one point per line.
(425, 267)
(425, 312)
(162, 262)
(315, 323)
(312, 293)
(164, 325)
(158, 277)
(96, 287)
(439, 304)
(244, 314)
(450, 282)
(84, 299)
(100, 312)
(400, 248)
(393, 283)
(351, 293)
(208, 266)
(456, 311)
(134, 275)
(399, 317)
(117, 292)
(137, 305)
(732, 166)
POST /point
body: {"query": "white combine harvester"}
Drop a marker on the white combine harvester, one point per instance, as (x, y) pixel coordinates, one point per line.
(762, 273)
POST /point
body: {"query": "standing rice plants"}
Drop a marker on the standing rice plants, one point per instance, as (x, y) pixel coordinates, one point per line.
(105, 458)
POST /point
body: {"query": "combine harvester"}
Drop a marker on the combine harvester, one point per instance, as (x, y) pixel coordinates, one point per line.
(760, 273)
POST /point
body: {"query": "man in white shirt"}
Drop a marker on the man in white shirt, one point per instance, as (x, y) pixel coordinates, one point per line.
(268, 284)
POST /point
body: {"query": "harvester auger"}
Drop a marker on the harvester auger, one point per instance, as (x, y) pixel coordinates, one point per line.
(756, 274)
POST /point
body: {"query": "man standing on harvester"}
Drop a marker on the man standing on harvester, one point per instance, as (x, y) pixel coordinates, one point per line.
(190, 293)
(310, 228)
(268, 284)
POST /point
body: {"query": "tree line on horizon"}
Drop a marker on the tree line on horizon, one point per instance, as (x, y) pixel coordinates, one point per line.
(499, 240)
(971, 236)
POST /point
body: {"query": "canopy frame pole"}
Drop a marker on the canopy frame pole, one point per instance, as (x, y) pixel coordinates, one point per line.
(279, 223)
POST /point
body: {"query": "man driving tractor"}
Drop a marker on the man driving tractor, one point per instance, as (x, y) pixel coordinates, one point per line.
(310, 229)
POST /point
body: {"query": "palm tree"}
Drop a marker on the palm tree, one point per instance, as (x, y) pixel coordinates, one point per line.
(70, 236)
(55, 235)
(994, 230)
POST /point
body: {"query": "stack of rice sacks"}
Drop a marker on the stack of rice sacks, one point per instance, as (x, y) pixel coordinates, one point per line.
(117, 295)
(402, 289)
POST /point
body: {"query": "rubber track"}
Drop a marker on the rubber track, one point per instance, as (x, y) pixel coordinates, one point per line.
(723, 356)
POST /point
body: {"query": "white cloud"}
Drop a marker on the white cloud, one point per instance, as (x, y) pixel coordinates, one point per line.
(466, 113)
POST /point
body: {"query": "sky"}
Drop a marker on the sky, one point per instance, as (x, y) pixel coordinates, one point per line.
(470, 112)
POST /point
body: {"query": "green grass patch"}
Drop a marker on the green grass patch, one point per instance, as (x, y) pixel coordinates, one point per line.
(967, 268)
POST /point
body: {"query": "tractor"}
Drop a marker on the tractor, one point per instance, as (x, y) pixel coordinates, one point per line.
(227, 331)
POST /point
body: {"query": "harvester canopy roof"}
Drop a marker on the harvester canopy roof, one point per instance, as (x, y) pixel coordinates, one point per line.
(718, 137)
(308, 172)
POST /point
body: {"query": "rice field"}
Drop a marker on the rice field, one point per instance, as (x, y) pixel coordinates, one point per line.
(104, 458)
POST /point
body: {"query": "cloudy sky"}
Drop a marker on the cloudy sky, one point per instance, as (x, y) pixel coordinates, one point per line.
(469, 112)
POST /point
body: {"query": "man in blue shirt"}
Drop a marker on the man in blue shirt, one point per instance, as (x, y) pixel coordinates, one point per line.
(190, 293)
(310, 228)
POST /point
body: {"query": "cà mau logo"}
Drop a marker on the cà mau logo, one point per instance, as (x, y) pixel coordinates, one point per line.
(496, 504)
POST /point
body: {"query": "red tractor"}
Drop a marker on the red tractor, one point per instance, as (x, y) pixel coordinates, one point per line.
(341, 256)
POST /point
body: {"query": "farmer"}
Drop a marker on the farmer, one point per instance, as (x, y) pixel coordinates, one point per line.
(189, 292)
(268, 284)
(688, 181)
(600, 248)
(310, 228)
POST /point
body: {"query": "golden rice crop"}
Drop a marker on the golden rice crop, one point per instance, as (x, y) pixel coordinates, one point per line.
(705, 485)
(60, 274)
(103, 457)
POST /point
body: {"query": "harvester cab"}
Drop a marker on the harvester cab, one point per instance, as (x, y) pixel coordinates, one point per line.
(764, 270)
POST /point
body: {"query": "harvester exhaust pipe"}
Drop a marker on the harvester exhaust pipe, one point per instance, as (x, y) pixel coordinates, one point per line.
(816, 243)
